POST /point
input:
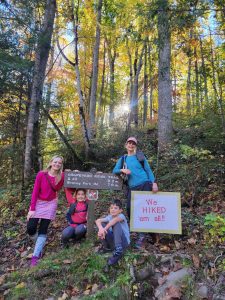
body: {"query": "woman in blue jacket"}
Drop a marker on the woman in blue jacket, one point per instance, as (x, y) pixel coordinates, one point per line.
(139, 174)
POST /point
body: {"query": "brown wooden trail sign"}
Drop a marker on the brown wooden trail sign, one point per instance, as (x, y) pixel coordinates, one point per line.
(94, 181)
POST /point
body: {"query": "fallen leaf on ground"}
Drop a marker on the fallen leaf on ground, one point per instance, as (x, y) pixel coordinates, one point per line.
(177, 266)
(165, 270)
(94, 288)
(192, 241)
(162, 280)
(172, 292)
(2, 279)
(75, 291)
(165, 248)
(20, 285)
(64, 296)
(23, 254)
(89, 286)
(11, 269)
(177, 245)
(196, 261)
(67, 261)
(87, 292)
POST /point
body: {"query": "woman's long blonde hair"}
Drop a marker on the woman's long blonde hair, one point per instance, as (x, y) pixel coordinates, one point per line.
(59, 175)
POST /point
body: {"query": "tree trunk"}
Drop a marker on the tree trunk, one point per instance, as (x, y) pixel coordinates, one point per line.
(131, 83)
(188, 89)
(41, 58)
(78, 82)
(134, 99)
(216, 94)
(197, 103)
(94, 82)
(204, 72)
(145, 106)
(151, 75)
(112, 59)
(164, 82)
(102, 86)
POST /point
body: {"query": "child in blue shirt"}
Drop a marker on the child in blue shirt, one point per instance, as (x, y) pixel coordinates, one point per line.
(113, 231)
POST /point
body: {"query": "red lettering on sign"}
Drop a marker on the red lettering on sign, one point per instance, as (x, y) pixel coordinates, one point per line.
(159, 218)
(144, 219)
(151, 202)
(153, 210)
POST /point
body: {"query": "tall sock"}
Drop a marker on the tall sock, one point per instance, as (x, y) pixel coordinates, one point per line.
(39, 245)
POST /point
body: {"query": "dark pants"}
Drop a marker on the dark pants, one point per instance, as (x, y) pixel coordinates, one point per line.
(115, 237)
(32, 225)
(74, 233)
(146, 186)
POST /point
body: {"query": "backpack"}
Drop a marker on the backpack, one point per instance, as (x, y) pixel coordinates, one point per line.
(72, 210)
(140, 157)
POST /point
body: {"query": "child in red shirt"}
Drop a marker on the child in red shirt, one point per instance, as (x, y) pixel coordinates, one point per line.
(76, 215)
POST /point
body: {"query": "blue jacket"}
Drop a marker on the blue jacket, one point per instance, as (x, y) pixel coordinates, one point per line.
(138, 174)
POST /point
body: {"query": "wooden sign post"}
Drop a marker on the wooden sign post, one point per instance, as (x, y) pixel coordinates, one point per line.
(92, 181)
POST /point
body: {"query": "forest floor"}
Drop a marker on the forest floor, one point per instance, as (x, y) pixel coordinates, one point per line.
(79, 272)
(187, 266)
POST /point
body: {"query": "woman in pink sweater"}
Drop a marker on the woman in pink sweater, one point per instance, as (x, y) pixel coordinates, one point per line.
(43, 205)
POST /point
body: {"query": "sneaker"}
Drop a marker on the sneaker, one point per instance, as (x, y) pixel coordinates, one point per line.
(34, 261)
(114, 259)
(117, 254)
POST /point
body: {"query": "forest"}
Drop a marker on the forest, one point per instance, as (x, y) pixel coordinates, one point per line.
(77, 78)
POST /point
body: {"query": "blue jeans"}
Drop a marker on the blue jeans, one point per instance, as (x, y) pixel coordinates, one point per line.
(74, 232)
(115, 237)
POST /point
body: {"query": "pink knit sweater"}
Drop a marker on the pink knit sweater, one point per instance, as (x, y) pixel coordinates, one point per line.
(42, 189)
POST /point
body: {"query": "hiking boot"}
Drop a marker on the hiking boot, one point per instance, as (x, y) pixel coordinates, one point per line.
(34, 261)
(117, 254)
(140, 242)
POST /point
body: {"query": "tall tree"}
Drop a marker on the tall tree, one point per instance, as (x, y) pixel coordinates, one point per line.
(94, 81)
(164, 82)
(78, 80)
(41, 58)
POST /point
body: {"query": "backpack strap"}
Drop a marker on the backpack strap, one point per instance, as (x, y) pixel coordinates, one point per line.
(123, 161)
(141, 158)
(52, 187)
(72, 210)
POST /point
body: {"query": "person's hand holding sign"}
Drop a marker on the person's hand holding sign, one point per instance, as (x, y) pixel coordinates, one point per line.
(126, 171)
(155, 187)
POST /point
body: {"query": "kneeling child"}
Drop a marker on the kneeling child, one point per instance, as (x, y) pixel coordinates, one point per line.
(76, 217)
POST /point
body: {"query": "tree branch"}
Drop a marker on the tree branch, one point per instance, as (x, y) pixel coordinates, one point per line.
(63, 54)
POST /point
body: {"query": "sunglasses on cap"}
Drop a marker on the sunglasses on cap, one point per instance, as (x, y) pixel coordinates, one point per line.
(131, 142)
